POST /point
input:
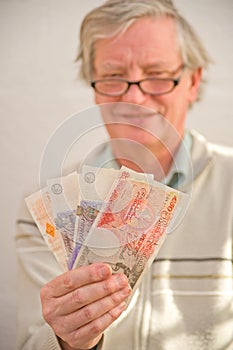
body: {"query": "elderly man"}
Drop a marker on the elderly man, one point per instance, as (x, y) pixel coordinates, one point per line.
(144, 60)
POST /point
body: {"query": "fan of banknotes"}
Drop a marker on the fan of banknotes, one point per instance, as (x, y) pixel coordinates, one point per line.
(105, 215)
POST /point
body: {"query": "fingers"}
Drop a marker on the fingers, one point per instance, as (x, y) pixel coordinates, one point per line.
(93, 311)
(87, 294)
(80, 304)
(81, 337)
(74, 279)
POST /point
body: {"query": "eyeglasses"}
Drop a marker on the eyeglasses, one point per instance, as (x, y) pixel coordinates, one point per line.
(152, 86)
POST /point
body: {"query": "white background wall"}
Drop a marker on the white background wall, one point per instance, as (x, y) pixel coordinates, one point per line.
(38, 89)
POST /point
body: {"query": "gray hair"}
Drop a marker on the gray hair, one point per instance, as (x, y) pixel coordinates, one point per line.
(115, 16)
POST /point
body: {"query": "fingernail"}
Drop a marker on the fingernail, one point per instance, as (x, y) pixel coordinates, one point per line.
(121, 280)
(126, 291)
(105, 271)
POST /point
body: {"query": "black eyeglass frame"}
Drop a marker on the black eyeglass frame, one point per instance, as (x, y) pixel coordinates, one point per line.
(175, 81)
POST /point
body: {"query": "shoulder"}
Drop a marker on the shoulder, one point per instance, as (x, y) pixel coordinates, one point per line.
(221, 151)
(213, 149)
(211, 159)
(222, 157)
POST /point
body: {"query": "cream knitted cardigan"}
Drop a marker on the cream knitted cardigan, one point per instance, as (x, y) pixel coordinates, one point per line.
(185, 300)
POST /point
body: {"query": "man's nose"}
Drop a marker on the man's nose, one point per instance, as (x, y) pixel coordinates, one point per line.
(134, 95)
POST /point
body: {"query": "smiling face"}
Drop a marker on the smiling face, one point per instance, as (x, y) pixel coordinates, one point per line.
(148, 48)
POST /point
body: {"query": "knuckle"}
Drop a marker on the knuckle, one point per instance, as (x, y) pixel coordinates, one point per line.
(96, 327)
(78, 297)
(47, 312)
(88, 313)
(115, 297)
(113, 315)
(94, 273)
(68, 281)
(116, 311)
(108, 286)
(44, 292)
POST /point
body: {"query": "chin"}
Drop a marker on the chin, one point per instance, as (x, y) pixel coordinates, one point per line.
(143, 137)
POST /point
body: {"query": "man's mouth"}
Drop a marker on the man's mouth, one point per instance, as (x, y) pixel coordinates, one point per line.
(134, 118)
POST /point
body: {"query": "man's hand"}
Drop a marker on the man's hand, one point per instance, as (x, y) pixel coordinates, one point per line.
(80, 304)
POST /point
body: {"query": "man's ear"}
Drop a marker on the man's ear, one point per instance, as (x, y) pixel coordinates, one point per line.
(195, 80)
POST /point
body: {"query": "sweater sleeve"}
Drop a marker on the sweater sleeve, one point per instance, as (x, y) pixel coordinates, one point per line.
(36, 266)
(42, 339)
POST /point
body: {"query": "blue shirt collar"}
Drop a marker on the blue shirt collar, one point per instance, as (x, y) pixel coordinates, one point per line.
(179, 174)
(181, 169)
